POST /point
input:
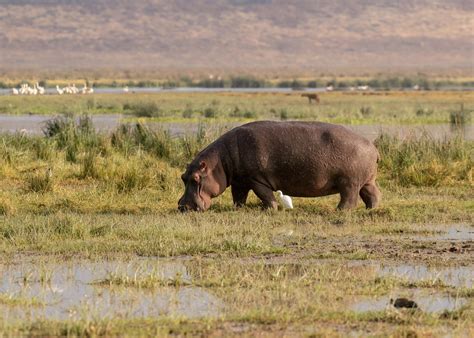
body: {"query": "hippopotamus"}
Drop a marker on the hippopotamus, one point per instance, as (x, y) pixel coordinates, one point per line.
(302, 159)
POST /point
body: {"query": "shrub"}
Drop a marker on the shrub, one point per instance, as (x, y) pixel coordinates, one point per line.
(40, 182)
(89, 165)
(42, 149)
(6, 207)
(130, 179)
(145, 109)
(210, 112)
(90, 103)
(188, 112)
(283, 114)
(460, 117)
(129, 138)
(246, 82)
(424, 112)
(66, 131)
(366, 111)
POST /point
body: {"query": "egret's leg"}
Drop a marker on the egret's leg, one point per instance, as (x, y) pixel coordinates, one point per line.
(371, 195)
(239, 195)
(266, 195)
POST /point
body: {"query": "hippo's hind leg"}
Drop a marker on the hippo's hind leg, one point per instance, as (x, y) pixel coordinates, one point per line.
(266, 195)
(371, 195)
(239, 194)
(349, 195)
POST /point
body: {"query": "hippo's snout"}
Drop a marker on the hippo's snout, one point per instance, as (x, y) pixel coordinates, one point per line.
(185, 206)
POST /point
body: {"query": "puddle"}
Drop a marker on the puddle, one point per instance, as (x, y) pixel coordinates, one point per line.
(33, 124)
(462, 276)
(70, 291)
(459, 276)
(427, 302)
(459, 232)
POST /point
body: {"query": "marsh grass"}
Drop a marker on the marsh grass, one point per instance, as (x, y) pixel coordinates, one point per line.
(136, 137)
(14, 300)
(337, 107)
(150, 280)
(143, 109)
(119, 199)
(426, 162)
(40, 182)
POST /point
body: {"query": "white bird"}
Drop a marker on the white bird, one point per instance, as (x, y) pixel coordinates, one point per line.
(59, 90)
(90, 90)
(15, 91)
(285, 200)
(329, 88)
(25, 89)
(67, 89)
(125, 89)
(40, 89)
(84, 89)
(33, 91)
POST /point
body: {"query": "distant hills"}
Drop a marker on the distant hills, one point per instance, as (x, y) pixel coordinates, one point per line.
(310, 35)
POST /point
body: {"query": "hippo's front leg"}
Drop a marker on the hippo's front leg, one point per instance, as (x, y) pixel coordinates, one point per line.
(266, 195)
(239, 194)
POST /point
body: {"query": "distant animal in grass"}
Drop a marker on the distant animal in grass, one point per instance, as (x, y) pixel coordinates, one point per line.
(285, 200)
(403, 303)
(311, 96)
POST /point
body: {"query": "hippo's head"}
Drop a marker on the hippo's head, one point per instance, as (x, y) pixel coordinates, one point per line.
(200, 186)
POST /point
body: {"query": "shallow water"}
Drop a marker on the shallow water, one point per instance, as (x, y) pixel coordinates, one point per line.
(71, 290)
(426, 301)
(452, 233)
(456, 276)
(131, 90)
(33, 124)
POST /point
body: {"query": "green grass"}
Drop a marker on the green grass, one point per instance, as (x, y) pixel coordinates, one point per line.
(337, 107)
(114, 196)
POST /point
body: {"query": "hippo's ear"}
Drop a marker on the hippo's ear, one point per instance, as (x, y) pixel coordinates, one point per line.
(202, 166)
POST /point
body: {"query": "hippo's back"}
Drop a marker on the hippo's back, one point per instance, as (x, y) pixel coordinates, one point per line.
(301, 158)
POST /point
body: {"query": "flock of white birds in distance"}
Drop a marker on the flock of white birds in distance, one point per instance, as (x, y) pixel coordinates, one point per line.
(25, 89)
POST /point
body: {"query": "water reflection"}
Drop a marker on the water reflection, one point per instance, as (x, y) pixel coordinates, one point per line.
(70, 290)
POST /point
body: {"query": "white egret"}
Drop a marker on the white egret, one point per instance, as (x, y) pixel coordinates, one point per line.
(14, 91)
(125, 89)
(59, 90)
(40, 89)
(285, 200)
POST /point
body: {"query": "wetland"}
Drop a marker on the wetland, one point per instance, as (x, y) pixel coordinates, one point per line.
(91, 242)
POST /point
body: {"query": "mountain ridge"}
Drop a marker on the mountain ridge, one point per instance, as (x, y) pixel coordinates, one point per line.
(236, 34)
